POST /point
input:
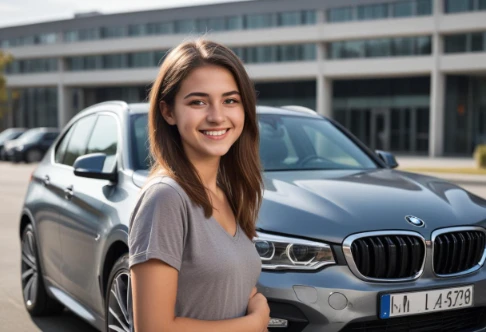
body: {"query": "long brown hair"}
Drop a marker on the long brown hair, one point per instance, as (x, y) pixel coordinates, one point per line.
(239, 174)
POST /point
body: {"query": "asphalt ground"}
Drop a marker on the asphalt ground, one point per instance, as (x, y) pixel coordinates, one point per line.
(14, 179)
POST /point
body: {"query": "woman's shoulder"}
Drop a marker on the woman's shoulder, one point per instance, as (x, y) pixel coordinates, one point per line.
(163, 186)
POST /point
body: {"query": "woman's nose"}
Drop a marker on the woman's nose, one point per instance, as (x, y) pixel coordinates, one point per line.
(215, 114)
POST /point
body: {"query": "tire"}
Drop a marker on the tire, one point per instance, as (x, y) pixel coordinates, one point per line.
(33, 156)
(117, 298)
(36, 300)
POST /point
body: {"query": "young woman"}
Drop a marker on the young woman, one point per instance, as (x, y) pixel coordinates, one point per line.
(193, 264)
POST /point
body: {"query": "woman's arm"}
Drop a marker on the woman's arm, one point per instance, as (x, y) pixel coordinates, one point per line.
(154, 291)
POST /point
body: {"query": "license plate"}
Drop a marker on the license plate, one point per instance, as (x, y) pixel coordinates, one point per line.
(403, 304)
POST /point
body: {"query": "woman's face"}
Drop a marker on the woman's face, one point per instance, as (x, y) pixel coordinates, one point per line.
(207, 112)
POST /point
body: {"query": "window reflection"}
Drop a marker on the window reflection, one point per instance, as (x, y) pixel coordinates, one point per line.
(382, 47)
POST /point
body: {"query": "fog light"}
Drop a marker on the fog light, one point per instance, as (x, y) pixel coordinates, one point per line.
(278, 322)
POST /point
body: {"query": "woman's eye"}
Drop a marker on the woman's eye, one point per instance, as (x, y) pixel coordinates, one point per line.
(231, 101)
(196, 102)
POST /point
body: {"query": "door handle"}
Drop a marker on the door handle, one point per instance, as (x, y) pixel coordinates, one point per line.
(68, 192)
(46, 180)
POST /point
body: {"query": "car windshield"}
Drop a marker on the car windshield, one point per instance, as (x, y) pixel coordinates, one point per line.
(30, 136)
(287, 143)
(9, 134)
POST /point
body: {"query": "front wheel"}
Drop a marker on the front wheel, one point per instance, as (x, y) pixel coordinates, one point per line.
(36, 299)
(118, 299)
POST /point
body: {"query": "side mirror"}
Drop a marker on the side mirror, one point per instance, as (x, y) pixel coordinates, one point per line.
(388, 158)
(91, 166)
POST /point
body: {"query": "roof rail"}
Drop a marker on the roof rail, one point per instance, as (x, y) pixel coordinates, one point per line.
(299, 109)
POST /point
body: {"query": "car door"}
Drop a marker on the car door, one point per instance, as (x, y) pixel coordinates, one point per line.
(45, 198)
(85, 218)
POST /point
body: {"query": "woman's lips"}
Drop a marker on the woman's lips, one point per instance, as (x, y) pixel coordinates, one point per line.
(215, 134)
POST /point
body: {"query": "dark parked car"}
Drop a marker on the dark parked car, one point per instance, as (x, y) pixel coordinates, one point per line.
(347, 243)
(31, 146)
(8, 135)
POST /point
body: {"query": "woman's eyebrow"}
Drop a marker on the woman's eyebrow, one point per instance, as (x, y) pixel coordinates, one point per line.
(203, 94)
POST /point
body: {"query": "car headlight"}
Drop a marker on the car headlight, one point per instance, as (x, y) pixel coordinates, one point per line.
(19, 147)
(284, 253)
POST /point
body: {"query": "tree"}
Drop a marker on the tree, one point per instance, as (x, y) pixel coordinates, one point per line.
(5, 59)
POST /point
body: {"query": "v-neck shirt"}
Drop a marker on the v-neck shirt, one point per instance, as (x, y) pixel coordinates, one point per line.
(217, 270)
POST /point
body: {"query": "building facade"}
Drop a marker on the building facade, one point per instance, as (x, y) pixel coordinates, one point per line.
(407, 76)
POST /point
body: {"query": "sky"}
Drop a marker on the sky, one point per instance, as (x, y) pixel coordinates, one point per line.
(19, 12)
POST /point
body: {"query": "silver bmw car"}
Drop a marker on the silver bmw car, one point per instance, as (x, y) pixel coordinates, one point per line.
(347, 242)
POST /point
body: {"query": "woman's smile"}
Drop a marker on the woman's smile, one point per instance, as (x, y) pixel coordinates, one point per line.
(215, 134)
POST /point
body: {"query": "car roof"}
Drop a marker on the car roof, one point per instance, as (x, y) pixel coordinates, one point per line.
(44, 129)
(283, 110)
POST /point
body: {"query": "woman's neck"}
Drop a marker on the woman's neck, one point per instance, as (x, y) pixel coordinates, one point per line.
(207, 170)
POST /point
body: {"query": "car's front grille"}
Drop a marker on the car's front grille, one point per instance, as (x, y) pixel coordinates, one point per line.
(447, 321)
(459, 251)
(388, 256)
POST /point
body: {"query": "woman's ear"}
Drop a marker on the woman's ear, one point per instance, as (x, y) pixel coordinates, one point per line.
(166, 112)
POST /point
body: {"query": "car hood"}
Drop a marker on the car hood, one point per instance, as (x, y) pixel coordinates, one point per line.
(330, 205)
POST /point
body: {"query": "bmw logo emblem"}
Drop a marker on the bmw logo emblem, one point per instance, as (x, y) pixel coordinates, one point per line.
(415, 221)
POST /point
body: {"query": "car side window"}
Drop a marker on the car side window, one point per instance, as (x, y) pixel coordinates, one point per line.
(77, 143)
(61, 147)
(50, 136)
(104, 139)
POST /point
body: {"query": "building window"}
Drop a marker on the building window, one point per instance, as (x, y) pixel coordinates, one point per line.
(114, 61)
(372, 12)
(141, 59)
(185, 26)
(290, 18)
(402, 9)
(466, 42)
(32, 66)
(456, 43)
(482, 4)
(260, 21)
(214, 24)
(378, 48)
(309, 17)
(477, 42)
(383, 47)
(235, 23)
(403, 46)
(113, 32)
(424, 7)
(458, 6)
(343, 14)
(137, 30)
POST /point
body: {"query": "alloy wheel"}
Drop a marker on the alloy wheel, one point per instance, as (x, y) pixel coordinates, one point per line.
(118, 305)
(30, 277)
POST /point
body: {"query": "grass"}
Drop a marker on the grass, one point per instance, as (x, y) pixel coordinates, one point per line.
(456, 170)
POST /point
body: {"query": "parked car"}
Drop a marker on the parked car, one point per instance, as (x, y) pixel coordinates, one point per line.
(31, 146)
(347, 242)
(7, 135)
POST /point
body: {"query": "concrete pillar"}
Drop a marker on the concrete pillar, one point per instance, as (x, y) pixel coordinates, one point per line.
(324, 96)
(10, 110)
(64, 104)
(437, 89)
(323, 84)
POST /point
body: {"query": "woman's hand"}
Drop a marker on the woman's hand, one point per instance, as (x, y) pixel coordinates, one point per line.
(258, 307)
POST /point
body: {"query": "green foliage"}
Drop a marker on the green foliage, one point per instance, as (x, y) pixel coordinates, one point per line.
(480, 155)
(5, 59)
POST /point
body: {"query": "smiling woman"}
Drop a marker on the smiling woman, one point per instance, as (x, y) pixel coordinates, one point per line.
(193, 264)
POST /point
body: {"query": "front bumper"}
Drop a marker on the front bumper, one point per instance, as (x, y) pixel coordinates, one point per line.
(14, 155)
(306, 300)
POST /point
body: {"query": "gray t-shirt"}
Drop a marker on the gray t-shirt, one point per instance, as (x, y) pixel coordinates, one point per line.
(217, 271)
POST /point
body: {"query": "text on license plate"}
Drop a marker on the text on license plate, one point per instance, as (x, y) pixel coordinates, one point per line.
(402, 304)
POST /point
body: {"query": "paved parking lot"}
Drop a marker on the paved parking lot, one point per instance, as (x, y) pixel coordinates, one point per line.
(13, 316)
